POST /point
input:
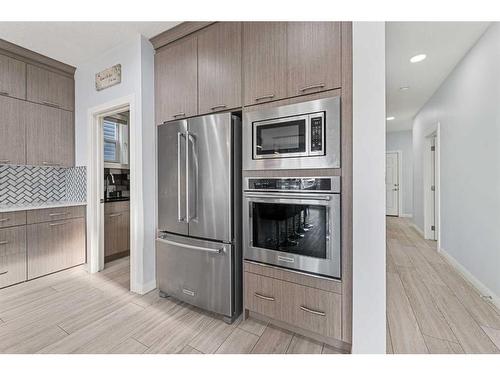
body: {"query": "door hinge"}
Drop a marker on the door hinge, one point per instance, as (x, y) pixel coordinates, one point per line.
(433, 227)
(433, 148)
(433, 188)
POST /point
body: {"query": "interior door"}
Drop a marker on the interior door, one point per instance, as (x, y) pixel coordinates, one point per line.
(433, 188)
(209, 178)
(172, 215)
(392, 183)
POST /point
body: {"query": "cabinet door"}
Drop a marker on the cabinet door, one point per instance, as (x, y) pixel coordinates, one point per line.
(49, 88)
(12, 131)
(12, 256)
(12, 77)
(314, 57)
(116, 233)
(264, 61)
(50, 134)
(219, 67)
(176, 80)
(55, 246)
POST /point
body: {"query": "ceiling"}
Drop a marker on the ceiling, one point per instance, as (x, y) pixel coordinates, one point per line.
(76, 42)
(444, 43)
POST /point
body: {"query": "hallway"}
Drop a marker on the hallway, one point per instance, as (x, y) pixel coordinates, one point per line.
(430, 307)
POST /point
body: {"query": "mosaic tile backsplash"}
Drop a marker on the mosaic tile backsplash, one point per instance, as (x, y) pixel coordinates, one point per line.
(28, 184)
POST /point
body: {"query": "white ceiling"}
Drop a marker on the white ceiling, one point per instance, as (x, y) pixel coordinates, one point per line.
(76, 42)
(444, 43)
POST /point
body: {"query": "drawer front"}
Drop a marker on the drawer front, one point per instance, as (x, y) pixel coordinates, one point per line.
(11, 219)
(54, 246)
(12, 256)
(112, 207)
(54, 214)
(196, 272)
(263, 295)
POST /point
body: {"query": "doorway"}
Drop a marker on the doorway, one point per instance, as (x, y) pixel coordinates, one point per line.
(431, 187)
(393, 183)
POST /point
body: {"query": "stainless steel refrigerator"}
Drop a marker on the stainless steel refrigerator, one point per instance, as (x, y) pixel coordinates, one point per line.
(198, 249)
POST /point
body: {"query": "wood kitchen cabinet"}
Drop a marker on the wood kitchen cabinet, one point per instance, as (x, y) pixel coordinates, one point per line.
(50, 88)
(54, 246)
(176, 80)
(12, 77)
(12, 256)
(219, 67)
(12, 130)
(313, 57)
(264, 61)
(50, 136)
(116, 229)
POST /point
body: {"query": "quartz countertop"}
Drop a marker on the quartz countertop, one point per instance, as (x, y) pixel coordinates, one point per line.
(38, 206)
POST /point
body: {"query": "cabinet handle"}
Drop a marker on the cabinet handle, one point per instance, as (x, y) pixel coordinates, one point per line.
(6, 219)
(268, 96)
(4, 93)
(4, 242)
(316, 86)
(56, 224)
(3, 273)
(218, 106)
(4, 160)
(51, 104)
(180, 114)
(115, 215)
(48, 163)
(59, 213)
(261, 296)
(315, 312)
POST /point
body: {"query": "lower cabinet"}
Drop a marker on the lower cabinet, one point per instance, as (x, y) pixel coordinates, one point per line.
(12, 256)
(54, 246)
(116, 228)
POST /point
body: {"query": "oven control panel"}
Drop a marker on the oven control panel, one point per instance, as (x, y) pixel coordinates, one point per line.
(306, 184)
(317, 134)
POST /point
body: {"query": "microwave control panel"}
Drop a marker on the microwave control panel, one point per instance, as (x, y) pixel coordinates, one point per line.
(317, 126)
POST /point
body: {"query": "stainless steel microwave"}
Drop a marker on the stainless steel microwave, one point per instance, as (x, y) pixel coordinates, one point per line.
(303, 135)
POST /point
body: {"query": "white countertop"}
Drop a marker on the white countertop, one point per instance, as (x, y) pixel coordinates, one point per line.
(38, 205)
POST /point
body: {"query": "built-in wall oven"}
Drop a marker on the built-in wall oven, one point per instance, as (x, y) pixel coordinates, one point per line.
(293, 223)
(296, 136)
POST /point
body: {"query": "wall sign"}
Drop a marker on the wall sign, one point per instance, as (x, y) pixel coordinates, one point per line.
(108, 77)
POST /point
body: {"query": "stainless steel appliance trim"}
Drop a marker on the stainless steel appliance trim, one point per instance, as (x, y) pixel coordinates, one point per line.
(192, 247)
(335, 184)
(180, 218)
(261, 296)
(315, 312)
(304, 196)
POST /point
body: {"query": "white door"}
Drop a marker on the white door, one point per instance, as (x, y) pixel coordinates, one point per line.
(392, 183)
(433, 188)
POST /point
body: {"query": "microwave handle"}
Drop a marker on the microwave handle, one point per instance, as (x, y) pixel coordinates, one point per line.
(288, 196)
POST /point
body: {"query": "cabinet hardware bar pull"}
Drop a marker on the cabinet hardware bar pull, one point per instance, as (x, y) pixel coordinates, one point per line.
(3, 273)
(6, 219)
(317, 86)
(261, 296)
(115, 215)
(268, 96)
(59, 213)
(180, 114)
(51, 164)
(315, 312)
(4, 160)
(4, 93)
(4, 242)
(218, 106)
(50, 104)
(56, 224)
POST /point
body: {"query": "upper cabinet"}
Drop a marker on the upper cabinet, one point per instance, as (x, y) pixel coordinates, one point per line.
(219, 67)
(50, 88)
(264, 61)
(12, 131)
(12, 77)
(313, 57)
(176, 80)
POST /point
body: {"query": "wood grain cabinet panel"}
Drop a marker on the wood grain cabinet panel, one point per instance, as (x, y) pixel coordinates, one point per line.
(54, 246)
(55, 214)
(12, 256)
(264, 61)
(176, 80)
(50, 136)
(116, 232)
(12, 131)
(263, 295)
(50, 88)
(313, 57)
(219, 67)
(11, 219)
(12, 77)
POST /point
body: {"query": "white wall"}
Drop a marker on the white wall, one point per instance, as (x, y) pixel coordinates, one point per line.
(369, 299)
(467, 108)
(136, 58)
(402, 141)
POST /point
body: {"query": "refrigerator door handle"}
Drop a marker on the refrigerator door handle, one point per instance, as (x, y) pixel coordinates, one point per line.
(180, 218)
(190, 137)
(187, 177)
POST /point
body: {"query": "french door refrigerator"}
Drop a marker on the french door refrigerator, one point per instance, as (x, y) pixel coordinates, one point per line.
(198, 248)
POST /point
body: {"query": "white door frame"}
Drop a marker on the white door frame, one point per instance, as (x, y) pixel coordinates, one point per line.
(428, 168)
(400, 183)
(95, 189)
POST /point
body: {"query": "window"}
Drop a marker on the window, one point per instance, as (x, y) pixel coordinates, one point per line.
(111, 141)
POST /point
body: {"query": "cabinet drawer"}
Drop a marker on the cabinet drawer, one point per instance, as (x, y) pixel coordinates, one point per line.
(116, 232)
(12, 256)
(53, 214)
(11, 219)
(263, 295)
(112, 207)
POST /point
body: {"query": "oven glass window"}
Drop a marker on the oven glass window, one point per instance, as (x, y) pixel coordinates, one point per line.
(281, 138)
(292, 228)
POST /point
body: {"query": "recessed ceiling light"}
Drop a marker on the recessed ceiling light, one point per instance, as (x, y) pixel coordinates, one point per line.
(390, 118)
(418, 58)
(404, 88)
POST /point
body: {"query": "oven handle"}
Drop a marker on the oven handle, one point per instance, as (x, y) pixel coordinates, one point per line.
(289, 196)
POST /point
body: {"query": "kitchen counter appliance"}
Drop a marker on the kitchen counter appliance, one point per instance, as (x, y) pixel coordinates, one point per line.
(198, 249)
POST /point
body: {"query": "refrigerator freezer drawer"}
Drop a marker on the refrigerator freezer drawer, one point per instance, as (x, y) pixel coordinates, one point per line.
(196, 271)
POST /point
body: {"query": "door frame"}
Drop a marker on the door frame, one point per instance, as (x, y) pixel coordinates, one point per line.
(400, 184)
(429, 210)
(95, 189)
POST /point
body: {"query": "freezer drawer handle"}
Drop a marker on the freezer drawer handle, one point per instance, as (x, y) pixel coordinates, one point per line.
(315, 312)
(188, 292)
(261, 296)
(193, 247)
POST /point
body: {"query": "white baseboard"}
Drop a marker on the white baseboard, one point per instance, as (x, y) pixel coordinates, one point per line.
(406, 215)
(144, 288)
(478, 285)
(415, 226)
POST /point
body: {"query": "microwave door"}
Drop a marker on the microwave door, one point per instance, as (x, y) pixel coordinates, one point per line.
(172, 177)
(209, 178)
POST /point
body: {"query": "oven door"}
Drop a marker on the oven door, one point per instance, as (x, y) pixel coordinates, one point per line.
(294, 230)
